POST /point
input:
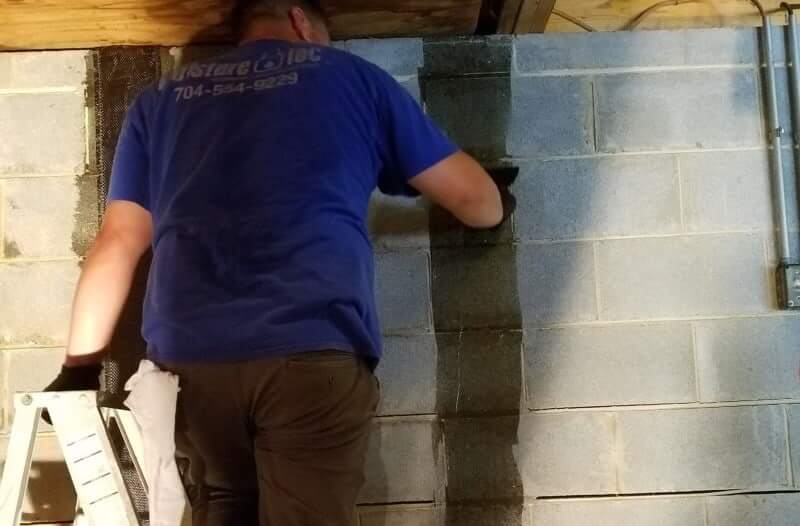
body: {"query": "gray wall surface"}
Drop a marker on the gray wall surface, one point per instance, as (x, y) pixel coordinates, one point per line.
(613, 357)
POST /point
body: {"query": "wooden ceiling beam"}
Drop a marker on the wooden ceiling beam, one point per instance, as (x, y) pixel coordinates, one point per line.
(508, 16)
(63, 24)
(533, 16)
(613, 15)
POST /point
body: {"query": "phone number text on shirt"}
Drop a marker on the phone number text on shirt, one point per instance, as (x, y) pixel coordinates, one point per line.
(229, 88)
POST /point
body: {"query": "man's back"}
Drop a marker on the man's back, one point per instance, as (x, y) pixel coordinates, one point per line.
(249, 175)
(259, 165)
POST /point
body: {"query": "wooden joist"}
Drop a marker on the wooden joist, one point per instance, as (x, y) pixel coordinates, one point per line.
(613, 15)
(525, 16)
(60, 24)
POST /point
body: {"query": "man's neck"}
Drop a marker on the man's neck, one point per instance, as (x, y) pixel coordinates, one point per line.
(270, 31)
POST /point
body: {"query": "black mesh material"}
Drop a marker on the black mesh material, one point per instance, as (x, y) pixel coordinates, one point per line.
(120, 74)
(133, 483)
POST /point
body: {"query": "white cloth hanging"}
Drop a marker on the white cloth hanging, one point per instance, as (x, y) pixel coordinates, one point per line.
(153, 399)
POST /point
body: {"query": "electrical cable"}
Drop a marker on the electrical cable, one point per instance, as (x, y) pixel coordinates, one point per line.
(635, 21)
(759, 7)
(577, 21)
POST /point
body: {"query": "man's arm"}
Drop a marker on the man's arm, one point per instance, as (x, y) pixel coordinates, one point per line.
(460, 185)
(105, 281)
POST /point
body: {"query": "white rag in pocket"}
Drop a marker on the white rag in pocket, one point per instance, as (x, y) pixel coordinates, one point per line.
(153, 401)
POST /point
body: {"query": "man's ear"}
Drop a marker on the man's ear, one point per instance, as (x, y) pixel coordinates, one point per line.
(301, 24)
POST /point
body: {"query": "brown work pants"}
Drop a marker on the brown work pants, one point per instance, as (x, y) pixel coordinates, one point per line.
(275, 442)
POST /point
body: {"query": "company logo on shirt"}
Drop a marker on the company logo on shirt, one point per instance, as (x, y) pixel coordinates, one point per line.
(273, 69)
(270, 62)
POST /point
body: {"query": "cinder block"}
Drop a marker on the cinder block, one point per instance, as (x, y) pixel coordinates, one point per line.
(475, 288)
(615, 365)
(551, 116)
(410, 515)
(37, 301)
(475, 112)
(40, 216)
(31, 370)
(701, 449)
(589, 198)
(563, 51)
(635, 49)
(403, 291)
(726, 191)
(567, 454)
(42, 133)
(482, 459)
(681, 109)
(621, 512)
(412, 87)
(407, 374)
(754, 510)
(400, 463)
(556, 283)
(487, 514)
(794, 439)
(86, 213)
(682, 276)
(398, 56)
(43, 69)
(722, 46)
(469, 366)
(50, 495)
(461, 56)
(748, 359)
(397, 221)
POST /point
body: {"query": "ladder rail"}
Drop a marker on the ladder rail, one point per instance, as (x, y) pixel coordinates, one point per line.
(17, 467)
(92, 463)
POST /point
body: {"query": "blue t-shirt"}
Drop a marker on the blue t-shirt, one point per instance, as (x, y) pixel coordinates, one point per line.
(257, 168)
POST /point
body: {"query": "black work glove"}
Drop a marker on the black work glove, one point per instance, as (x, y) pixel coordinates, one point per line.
(503, 177)
(76, 378)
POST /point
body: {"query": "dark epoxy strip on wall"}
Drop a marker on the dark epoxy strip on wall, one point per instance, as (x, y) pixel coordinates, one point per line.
(466, 85)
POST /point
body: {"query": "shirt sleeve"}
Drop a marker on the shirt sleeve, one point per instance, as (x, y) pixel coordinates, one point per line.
(130, 171)
(409, 141)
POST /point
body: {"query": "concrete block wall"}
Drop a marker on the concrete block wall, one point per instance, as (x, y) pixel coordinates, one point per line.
(48, 216)
(614, 356)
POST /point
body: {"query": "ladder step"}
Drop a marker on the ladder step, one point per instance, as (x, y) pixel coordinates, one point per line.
(90, 459)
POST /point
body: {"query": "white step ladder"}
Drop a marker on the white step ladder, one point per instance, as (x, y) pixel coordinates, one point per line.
(93, 465)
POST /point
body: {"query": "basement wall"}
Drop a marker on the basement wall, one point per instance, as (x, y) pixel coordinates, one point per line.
(614, 357)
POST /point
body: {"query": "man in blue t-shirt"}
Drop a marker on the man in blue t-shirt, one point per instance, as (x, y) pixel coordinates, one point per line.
(249, 176)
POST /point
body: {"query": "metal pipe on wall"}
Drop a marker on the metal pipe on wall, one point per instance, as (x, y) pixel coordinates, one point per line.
(775, 133)
(794, 57)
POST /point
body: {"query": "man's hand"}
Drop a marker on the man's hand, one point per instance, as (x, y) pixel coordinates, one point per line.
(77, 378)
(504, 177)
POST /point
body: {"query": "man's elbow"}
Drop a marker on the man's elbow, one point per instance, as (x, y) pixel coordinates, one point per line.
(120, 244)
